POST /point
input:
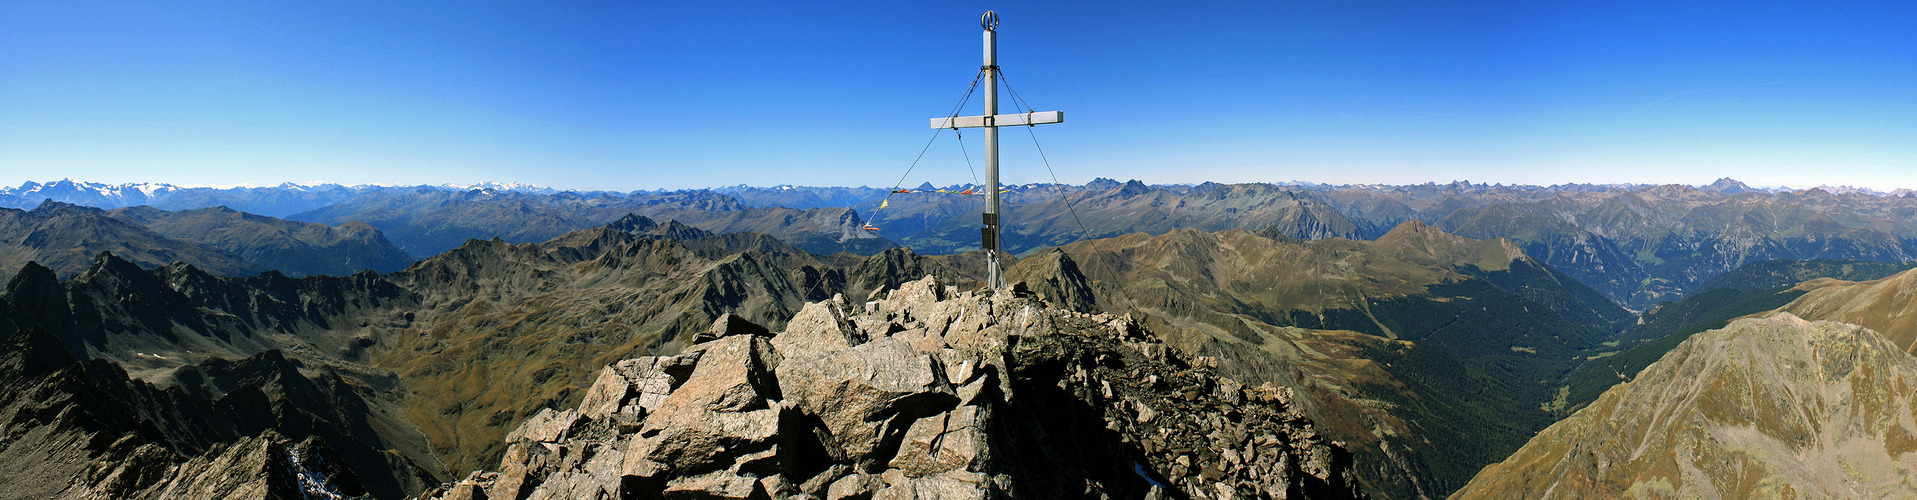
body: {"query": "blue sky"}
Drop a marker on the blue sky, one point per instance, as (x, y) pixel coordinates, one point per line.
(653, 95)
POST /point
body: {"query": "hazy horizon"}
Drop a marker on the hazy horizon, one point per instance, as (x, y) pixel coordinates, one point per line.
(1293, 182)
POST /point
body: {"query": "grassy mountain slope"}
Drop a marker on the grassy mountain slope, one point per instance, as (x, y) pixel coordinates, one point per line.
(1777, 407)
(1882, 305)
(1754, 288)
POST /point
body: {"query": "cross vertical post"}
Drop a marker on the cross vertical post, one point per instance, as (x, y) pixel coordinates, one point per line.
(993, 277)
(989, 236)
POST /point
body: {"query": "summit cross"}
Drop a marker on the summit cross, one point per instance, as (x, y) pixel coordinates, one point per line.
(991, 121)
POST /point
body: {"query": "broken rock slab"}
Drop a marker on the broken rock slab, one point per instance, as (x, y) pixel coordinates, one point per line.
(856, 392)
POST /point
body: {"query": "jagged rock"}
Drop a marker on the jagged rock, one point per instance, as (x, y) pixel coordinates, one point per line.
(717, 485)
(953, 485)
(607, 395)
(547, 426)
(262, 467)
(473, 487)
(649, 382)
(728, 325)
(523, 466)
(954, 440)
(819, 326)
(911, 293)
(865, 392)
(819, 483)
(854, 486)
(721, 411)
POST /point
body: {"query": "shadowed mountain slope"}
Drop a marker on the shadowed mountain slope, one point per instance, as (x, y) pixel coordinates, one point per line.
(294, 248)
(1775, 273)
(153, 320)
(67, 237)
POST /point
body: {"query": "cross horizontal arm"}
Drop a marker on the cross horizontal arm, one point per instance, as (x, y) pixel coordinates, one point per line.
(1005, 120)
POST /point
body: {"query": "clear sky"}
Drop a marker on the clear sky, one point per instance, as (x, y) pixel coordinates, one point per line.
(624, 95)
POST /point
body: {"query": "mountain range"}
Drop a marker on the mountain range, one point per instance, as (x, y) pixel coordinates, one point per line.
(1639, 245)
(1429, 360)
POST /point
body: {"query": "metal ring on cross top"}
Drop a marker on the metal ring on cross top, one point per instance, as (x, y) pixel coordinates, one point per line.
(989, 21)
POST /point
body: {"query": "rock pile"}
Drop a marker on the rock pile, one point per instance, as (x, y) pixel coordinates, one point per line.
(926, 392)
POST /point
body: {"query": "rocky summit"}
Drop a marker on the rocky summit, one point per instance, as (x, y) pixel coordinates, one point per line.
(921, 391)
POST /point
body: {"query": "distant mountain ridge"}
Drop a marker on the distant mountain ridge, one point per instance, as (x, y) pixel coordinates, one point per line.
(427, 221)
(66, 238)
(1638, 244)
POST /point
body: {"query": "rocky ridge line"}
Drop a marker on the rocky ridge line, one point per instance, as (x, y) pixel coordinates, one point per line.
(927, 392)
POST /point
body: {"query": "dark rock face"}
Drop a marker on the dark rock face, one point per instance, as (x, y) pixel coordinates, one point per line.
(923, 393)
(253, 428)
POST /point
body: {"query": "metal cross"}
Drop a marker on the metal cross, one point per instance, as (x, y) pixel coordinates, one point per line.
(991, 121)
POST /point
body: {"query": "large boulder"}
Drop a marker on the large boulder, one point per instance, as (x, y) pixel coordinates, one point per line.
(819, 326)
(722, 410)
(864, 393)
(945, 442)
